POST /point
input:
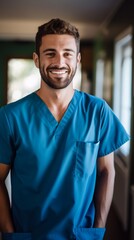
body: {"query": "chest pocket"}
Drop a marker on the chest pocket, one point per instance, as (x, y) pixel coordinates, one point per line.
(86, 158)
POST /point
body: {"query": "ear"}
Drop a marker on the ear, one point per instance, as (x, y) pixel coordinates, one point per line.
(36, 59)
(78, 58)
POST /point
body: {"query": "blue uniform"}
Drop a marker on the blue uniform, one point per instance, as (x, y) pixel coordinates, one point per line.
(53, 164)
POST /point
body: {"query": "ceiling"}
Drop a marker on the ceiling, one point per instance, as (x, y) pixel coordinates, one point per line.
(20, 19)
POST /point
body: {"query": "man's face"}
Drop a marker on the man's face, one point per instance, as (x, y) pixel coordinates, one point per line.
(57, 60)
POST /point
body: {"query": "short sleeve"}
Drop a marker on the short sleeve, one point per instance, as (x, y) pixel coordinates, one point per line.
(112, 133)
(6, 143)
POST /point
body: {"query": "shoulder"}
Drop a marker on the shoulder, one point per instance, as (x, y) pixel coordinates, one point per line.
(93, 102)
(17, 106)
(90, 98)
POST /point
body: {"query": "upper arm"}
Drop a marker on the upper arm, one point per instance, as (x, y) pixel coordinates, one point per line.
(4, 170)
(7, 150)
(106, 163)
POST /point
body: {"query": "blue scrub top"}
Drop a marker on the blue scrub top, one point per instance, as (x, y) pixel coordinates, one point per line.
(53, 165)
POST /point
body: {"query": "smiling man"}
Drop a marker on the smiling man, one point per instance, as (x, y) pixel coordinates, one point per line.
(58, 143)
(57, 66)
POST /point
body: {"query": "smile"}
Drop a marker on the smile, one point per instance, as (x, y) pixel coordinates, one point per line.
(58, 71)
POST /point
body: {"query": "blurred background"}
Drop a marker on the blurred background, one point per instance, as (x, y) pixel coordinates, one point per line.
(106, 70)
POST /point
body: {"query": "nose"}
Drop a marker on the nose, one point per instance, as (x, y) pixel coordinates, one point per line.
(59, 60)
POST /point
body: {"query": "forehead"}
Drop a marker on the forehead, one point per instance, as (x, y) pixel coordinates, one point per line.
(58, 41)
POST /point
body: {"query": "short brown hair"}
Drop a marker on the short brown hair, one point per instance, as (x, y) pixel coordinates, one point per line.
(56, 26)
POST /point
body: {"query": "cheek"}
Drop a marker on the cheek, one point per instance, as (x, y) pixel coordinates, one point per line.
(44, 64)
(41, 63)
(73, 64)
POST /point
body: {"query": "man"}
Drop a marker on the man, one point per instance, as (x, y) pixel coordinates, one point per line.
(58, 143)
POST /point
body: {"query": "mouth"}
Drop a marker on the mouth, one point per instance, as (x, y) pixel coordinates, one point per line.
(58, 71)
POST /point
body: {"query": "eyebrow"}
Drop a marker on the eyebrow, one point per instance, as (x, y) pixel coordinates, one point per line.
(54, 50)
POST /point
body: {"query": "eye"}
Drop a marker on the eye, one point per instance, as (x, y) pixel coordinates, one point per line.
(50, 54)
(68, 54)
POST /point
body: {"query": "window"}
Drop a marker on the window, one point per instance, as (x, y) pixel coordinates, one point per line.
(103, 79)
(23, 78)
(100, 64)
(123, 84)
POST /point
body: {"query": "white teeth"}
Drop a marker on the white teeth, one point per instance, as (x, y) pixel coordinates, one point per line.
(58, 72)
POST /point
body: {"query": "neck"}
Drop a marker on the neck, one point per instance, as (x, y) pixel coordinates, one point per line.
(57, 100)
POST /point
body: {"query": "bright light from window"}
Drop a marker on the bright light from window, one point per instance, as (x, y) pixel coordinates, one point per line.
(23, 78)
(122, 85)
(99, 78)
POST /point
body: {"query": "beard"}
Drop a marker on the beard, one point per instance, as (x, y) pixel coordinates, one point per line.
(57, 82)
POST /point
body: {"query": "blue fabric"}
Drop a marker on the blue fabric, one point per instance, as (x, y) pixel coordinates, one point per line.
(54, 164)
(16, 236)
(90, 233)
(81, 234)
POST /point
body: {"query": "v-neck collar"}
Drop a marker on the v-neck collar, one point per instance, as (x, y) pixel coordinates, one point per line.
(43, 110)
